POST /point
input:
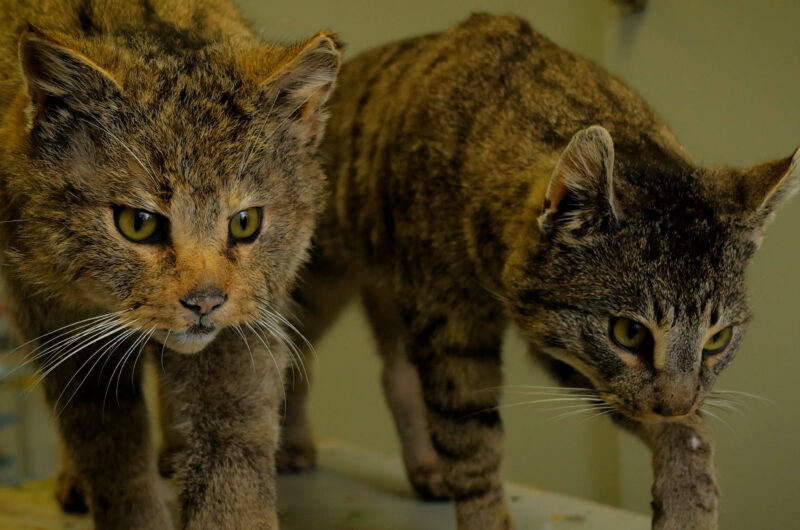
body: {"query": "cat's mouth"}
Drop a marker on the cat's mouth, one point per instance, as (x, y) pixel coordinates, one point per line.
(191, 340)
(199, 329)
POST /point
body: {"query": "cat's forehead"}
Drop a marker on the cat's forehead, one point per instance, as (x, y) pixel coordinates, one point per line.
(692, 269)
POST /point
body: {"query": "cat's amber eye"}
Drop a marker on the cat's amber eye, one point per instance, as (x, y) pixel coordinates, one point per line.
(718, 341)
(245, 225)
(630, 335)
(139, 226)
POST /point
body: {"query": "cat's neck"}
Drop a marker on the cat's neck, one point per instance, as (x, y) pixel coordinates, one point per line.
(503, 213)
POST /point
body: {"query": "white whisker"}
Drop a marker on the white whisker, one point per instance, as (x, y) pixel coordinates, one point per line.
(719, 419)
(103, 128)
(274, 361)
(98, 356)
(164, 345)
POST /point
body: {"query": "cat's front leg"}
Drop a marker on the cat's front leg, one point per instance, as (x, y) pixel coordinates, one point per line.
(459, 385)
(227, 401)
(107, 455)
(685, 495)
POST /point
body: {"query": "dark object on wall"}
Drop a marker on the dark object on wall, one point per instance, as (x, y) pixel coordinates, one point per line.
(631, 6)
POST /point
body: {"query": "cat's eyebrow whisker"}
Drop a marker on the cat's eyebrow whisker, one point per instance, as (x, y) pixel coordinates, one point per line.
(246, 154)
(288, 116)
(103, 128)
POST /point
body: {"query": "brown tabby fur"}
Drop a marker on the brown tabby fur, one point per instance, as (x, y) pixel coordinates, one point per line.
(472, 187)
(174, 107)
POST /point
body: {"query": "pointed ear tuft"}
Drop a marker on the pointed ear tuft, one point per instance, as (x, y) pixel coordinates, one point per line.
(581, 187)
(52, 69)
(306, 80)
(773, 183)
(761, 190)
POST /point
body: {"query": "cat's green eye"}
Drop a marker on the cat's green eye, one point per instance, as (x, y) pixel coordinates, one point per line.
(629, 334)
(718, 341)
(138, 226)
(244, 226)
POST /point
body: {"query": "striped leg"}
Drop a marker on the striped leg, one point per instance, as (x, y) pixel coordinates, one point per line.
(459, 385)
(403, 392)
(107, 456)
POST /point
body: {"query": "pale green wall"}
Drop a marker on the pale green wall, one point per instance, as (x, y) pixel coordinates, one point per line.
(726, 76)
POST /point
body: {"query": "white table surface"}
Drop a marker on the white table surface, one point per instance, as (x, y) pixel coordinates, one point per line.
(352, 490)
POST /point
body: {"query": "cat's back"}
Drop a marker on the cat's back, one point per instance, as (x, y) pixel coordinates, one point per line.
(434, 118)
(99, 20)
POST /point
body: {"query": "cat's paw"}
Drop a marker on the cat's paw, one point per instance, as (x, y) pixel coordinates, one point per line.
(69, 493)
(428, 482)
(296, 457)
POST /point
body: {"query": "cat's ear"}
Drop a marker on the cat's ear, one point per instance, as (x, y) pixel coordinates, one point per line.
(55, 72)
(581, 188)
(765, 187)
(305, 81)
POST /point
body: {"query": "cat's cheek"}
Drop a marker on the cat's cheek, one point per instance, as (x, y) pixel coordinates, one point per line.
(96, 294)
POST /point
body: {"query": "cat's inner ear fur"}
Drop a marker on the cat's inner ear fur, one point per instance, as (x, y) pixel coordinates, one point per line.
(581, 186)
(306, 80)
(54, 70)
(767, 186)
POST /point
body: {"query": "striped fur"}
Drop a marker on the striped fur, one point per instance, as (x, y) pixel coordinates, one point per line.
(484, 176)
(174, 107)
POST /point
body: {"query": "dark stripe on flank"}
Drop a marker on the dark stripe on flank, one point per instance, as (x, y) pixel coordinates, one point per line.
(481, 414)
(149, 11)
(356, 129)
(425, 334)
(86, 18)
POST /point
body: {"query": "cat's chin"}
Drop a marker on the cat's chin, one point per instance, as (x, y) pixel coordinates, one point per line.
(185, 342)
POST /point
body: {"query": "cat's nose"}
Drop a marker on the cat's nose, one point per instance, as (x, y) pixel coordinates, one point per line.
(204, 303)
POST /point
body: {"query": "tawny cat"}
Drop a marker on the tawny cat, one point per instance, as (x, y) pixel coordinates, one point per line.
(158, 182)
(484, 176)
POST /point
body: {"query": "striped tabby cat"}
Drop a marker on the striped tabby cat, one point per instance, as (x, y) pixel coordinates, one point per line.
(484, 176)
(159, 182)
